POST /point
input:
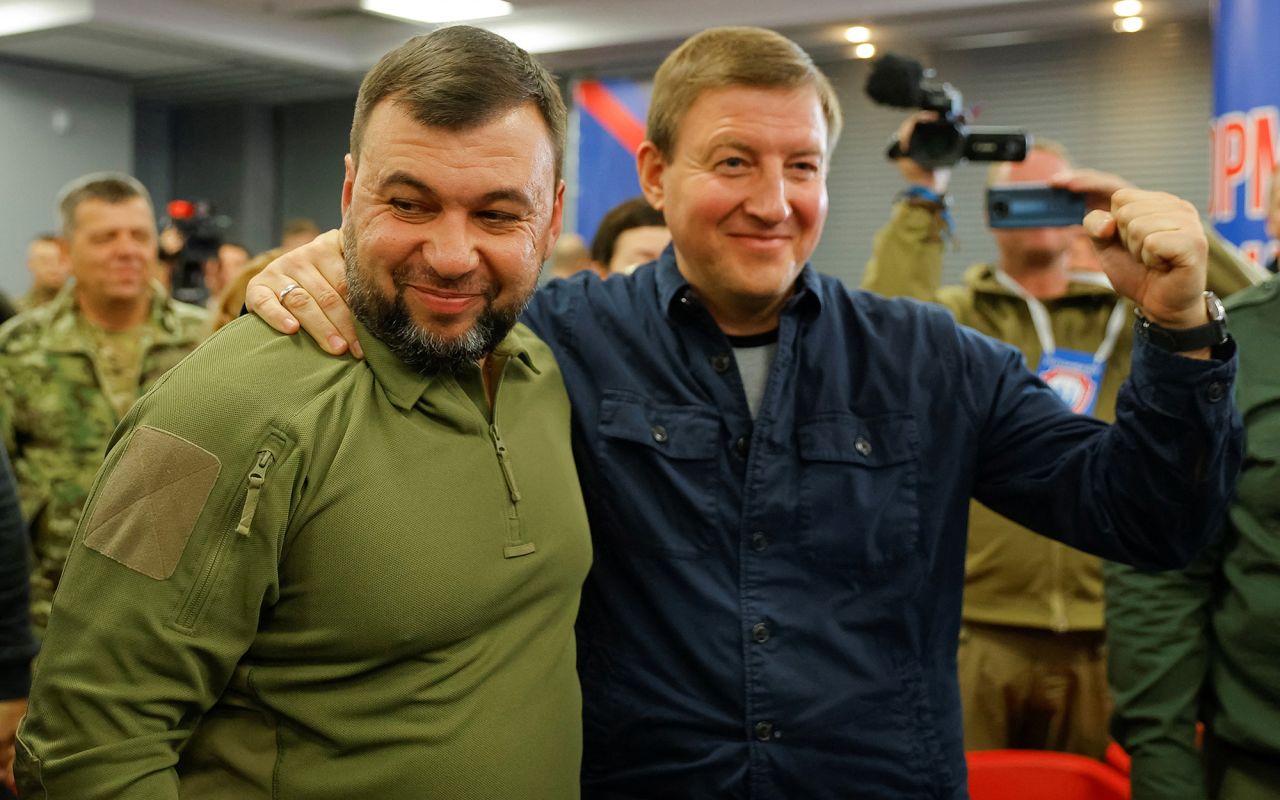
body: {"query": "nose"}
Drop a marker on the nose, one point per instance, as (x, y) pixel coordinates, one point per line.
(449, 249)
(127, 246)
(768, 201)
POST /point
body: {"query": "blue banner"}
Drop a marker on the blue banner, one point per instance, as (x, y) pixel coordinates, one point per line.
(1246, 121)
(611, 115)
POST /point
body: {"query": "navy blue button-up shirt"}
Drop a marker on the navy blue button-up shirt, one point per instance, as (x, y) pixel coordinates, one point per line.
(779, 620)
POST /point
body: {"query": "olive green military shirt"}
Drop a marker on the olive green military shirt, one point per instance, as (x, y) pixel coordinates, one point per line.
(1204, 643)
(300, 576)
(61, 396)
(1012, 575)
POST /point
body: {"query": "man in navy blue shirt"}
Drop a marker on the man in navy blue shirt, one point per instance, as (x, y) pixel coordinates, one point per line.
(778, 469)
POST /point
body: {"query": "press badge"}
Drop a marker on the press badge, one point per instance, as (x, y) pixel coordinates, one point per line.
(1074, 376)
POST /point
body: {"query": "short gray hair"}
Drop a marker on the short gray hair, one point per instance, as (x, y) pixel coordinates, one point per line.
(109, 187)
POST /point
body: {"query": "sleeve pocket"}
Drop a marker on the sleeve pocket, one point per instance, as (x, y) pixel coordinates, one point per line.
(149, 506)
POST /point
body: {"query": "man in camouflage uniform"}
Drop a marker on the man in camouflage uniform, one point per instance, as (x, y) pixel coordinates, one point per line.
(49, 271)
(70, 369)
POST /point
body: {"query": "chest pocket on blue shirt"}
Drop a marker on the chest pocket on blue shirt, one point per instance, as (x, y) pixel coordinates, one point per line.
(658, 463)
(858, 490)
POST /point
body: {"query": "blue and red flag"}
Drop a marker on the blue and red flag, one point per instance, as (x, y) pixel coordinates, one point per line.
(610, 129)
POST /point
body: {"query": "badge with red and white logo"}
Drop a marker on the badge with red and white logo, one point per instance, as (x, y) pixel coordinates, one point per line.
(1074, 376)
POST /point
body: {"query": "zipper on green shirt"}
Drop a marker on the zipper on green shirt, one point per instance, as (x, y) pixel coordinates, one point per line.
(257, 476)
(204, 581)
(514, 547)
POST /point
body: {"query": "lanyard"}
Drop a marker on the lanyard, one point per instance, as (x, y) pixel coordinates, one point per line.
(1044, 327)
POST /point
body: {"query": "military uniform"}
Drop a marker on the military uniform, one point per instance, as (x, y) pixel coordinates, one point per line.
(1202, 643)
(1033, 607)
(34, 299)
(60, 400)
(322, 579)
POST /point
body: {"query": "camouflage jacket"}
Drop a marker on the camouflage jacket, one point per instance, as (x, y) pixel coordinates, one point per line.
(56, 420)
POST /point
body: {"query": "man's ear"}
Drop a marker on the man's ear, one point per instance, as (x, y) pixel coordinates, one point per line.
(650, 166)
(557, 218)
(348, 182)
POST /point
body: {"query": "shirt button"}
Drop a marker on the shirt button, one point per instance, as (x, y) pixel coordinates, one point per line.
(862, 445)
(659, 434)
(742, 446)
(759, 542)
(1216, 391)
(764, 730)
(760, 632)
(721, 362)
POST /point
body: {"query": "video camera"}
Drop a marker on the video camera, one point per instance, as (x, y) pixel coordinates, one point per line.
(901, 82)
(202, 233)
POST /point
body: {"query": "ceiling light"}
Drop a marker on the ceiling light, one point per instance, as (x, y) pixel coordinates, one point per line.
(437, 10)
(1127, 8)
(1128, 25)
(42, 15)
(865, 50)
(858, 34)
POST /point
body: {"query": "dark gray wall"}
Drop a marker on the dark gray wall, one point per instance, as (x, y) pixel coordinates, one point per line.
(40, 159)
(312, 140)
(225, 155)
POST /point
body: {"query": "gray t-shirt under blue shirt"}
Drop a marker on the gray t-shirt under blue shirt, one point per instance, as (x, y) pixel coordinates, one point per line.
(754, 355)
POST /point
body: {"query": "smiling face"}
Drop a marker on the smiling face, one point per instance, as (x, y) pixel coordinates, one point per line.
(110, 249)
(744, 195)
(445, 230)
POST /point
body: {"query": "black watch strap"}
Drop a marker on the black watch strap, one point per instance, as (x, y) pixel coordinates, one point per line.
(1182, 340)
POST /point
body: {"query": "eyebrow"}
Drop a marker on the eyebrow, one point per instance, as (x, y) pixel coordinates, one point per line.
(511, 195)
(738, 144)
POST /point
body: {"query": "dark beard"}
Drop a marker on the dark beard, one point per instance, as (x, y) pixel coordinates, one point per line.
(389, 319)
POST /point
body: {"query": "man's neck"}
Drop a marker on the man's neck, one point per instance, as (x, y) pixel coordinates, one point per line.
(115, 315)
(1043, 283)
(738, 321)
(43, 294)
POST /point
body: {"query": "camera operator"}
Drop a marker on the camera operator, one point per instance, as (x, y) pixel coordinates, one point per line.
(1032, 666)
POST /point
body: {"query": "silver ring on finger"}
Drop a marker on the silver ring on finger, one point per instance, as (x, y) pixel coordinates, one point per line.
(285, 291)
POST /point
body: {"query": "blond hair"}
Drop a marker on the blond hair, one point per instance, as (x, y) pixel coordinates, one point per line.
(720, 58)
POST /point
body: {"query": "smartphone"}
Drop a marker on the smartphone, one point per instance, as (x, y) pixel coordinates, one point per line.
(1033, 206)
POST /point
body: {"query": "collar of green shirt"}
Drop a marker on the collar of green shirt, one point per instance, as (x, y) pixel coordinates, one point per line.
(404, 385)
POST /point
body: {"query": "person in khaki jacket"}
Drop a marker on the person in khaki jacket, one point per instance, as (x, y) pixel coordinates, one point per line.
(1031, 663)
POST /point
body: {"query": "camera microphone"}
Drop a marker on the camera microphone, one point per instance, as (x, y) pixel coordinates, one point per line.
(895, 81)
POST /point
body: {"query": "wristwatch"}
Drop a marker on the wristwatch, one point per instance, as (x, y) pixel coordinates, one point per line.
(1182, 340)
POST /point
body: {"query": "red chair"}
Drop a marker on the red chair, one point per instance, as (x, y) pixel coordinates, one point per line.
(1118, 758)
(1038, 775)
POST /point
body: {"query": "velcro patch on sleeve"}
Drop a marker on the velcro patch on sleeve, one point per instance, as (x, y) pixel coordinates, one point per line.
(148, 506)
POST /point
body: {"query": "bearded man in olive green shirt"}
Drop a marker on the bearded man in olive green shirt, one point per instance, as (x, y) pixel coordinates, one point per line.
(318, 579)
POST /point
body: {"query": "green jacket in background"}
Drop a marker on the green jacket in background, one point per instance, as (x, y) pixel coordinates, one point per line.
(319, 578)
(1204, 643)
(56, 420)
(1013, 576)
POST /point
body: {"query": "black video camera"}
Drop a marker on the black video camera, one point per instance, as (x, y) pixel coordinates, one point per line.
(202, 232)
(901, 82)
